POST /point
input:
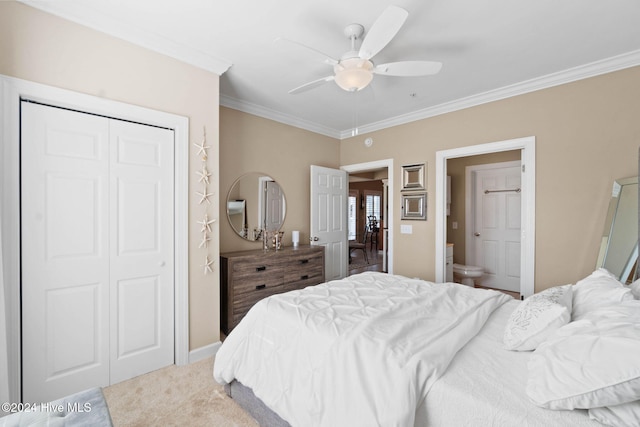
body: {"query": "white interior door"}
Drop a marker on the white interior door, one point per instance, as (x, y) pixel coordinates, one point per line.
(141, 261)
(65, 252)
(329, 189)
(496, 232)
(94, 220)
(274, 206)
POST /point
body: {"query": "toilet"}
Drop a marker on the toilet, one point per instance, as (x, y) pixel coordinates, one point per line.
(467, 274)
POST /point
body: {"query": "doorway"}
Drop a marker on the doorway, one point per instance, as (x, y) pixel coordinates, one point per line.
(386, 213)
(526, 146)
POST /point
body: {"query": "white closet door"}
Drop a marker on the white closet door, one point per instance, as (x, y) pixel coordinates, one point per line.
(141, 250)
(65, 252)
(97, 251)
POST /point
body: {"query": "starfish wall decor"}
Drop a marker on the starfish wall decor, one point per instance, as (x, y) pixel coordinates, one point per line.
(203, 177)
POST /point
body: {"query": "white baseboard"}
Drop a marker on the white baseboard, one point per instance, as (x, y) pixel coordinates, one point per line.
(204, 352)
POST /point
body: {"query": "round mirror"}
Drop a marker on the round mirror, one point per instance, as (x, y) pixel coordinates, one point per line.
(255, 203)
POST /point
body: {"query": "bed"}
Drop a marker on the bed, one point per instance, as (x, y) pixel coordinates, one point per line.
(380, 349)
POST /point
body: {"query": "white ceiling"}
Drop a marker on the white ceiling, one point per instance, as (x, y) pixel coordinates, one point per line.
(490, 49)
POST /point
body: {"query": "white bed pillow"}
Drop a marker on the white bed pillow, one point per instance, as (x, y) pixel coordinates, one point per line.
(635, 289)
(589, 363)
(599, 289)
(537, 317)
(624, 415)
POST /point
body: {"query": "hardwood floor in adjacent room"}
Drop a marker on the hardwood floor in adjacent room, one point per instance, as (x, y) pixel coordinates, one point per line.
(359, 265)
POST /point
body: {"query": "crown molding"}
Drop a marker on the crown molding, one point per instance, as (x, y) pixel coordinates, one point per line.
(267, 113)
(616, 63)
(220, 66)
(147, 40)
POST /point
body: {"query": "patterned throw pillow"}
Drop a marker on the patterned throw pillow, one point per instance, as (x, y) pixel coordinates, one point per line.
(537, 317)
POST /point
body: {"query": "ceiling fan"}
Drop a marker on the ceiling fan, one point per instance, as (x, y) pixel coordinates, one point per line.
(355, 69)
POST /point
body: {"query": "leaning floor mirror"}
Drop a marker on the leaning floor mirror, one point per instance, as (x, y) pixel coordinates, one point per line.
(619, 245)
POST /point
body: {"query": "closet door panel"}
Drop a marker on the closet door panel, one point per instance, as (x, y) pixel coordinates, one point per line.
(65, 265)
(142, 249)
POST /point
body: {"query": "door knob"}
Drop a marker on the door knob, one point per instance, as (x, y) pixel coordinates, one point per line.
(313, 239)
(476, 234)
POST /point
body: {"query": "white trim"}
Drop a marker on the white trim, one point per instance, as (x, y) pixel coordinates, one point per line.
(204, 352)
(378, 164)
(84, 16)
(604, 66)
(11, 91)
(277, 116)
(528, 158)
(620, 62)
(82, 13)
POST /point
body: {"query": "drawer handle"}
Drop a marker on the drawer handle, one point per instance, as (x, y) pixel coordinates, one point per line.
(305, 277)
(263, 268)
(304, 261)
(260, 287)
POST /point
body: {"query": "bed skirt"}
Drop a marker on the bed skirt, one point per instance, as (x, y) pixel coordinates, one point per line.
(248, 401)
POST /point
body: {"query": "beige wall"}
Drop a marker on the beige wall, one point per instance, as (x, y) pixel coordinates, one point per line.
(587, 134)
(42, 48)
(252, 144)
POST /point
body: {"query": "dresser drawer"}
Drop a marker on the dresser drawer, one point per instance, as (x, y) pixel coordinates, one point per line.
(244, 301)
(257, 281)
(240, 268)
(298, 280)
(301, 262)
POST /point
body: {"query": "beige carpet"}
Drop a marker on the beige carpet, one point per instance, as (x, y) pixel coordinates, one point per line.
(175, 396)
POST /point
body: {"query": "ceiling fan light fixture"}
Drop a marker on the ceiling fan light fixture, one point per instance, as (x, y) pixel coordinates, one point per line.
(353, 74)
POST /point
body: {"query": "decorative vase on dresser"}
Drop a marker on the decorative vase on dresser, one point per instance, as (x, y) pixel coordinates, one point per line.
(246, 277)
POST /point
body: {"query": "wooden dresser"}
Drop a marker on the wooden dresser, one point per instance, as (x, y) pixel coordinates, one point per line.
(248, 276)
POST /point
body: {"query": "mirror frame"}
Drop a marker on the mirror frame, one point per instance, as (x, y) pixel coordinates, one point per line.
(260, 178)
(629, 269)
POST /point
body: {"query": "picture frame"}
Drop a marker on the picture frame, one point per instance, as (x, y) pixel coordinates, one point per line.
(414, 206)
(414, 177)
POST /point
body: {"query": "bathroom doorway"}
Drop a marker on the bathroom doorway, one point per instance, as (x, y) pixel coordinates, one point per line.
(452, 227)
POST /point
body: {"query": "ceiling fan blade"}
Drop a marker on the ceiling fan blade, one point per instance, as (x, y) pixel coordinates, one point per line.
(311, 85)
(326, 58)
(382, 31)
(408, 68)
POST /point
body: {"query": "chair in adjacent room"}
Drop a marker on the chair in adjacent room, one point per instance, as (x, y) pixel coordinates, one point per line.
(355, 245)
(372, 230)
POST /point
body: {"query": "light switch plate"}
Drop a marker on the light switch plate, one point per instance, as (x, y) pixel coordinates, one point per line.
(406, 229)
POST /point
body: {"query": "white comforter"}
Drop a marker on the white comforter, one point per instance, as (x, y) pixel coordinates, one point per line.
(361, 351)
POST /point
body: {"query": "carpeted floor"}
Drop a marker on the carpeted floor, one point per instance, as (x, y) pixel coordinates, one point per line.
(175, 396)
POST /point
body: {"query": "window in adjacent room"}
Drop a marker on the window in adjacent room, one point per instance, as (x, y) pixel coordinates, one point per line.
(353, 214)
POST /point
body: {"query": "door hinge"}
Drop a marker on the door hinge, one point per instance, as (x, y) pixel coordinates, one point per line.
(522, 168)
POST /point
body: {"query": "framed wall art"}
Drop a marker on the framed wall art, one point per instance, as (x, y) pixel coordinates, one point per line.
(414, 177)
(414, 206)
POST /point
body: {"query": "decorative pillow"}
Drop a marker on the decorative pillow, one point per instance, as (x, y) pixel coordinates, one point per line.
(537, 317)
(599, 289)
(589, 363)
(624, 415)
